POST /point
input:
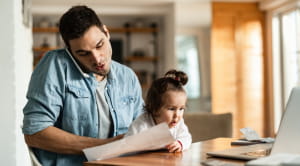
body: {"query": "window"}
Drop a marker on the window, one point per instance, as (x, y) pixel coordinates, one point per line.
(286, 58)
(187, 58)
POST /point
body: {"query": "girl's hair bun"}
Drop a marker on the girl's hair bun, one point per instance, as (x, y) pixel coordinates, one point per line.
(176, 75)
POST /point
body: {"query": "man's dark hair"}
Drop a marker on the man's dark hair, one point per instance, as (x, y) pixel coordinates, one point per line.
(76, 21)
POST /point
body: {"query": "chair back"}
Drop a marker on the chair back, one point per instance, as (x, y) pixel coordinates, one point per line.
(204, 126)
(34, 160)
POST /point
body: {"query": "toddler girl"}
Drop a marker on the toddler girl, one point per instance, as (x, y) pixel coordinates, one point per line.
(166, 102)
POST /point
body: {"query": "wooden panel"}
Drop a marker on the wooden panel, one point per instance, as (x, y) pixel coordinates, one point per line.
(224, 66)
(224, 63)
(254, 85)
(243, 8)
(237, 64)
(251, 72)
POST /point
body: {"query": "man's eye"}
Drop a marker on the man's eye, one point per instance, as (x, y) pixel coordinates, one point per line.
(181, 109)
(100, 45)
(83, 54)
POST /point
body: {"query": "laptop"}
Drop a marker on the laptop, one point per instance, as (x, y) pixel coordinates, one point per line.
(287, 139)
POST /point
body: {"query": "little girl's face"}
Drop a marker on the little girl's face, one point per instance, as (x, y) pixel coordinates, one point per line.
(172, 109)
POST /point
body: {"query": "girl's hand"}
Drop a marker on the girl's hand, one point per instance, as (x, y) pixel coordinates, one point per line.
(174, 147)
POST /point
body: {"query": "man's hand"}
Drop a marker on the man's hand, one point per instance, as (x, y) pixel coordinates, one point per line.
(59, 141)
(118, 137)
(174, 147)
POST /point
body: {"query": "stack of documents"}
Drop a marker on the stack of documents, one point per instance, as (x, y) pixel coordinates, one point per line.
(251, 137)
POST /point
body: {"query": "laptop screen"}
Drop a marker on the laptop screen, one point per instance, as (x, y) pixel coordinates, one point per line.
(288, 135)
(286, 140)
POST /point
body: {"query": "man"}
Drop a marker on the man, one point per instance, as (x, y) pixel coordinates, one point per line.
(78, 97)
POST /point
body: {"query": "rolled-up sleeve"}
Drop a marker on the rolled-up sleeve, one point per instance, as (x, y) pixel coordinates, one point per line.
(41, 111)
(44, 100)
(183, 135)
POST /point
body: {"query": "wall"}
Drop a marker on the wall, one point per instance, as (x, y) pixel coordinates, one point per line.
(16, 66)
(193, 14)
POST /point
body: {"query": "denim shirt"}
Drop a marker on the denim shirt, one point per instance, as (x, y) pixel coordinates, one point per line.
(60, 95)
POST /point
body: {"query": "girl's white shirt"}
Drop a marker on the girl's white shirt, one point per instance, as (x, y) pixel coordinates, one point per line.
(145, 121)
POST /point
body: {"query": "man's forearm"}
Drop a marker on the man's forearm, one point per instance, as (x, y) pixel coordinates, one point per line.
(59, 141)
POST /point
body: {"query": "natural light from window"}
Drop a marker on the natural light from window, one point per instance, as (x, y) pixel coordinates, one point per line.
(286, 58)
(187, 58)
(291, 61)
(278, 105)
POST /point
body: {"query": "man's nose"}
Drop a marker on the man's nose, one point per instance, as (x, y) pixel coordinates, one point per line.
(96, 56)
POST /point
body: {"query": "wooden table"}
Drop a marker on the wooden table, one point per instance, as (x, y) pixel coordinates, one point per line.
(191, 157)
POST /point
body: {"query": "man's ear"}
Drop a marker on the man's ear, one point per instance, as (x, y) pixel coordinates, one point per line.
(106, 31)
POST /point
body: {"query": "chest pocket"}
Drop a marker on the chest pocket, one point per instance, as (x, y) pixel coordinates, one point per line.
(78, 92)
(125, 111)
(127, 100)
(77, 104)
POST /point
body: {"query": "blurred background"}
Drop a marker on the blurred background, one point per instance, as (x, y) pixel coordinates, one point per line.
(241, 56)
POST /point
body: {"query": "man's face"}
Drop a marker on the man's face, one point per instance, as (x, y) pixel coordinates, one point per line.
(93, 51)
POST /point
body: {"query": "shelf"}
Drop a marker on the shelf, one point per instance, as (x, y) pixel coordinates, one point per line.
(47, 30)
(117, 30)
(141, 58)
(135, 30)
(44, 49)
(142, 30)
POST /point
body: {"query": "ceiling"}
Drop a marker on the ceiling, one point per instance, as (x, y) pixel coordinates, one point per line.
(112, 2)
(128, 2)
(184, 8)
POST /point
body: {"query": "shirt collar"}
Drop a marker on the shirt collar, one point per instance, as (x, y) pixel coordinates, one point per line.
(76, 64)
(111, 75)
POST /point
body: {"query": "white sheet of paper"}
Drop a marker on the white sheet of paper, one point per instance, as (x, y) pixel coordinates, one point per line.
(250, 134)
(156, 137)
